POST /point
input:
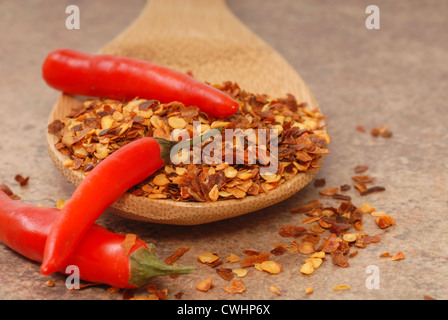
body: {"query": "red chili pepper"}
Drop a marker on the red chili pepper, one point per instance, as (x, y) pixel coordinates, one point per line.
(116, 77)
(99, 256)
(113, 176)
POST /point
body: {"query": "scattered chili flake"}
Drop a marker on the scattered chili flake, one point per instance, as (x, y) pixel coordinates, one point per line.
(382, 131)
(49, 283)
(360, 129)
(309, 290)
(232, 258)
(271, 266)
(128, 243)
(331, 244)
(345, 187)
(398, 256)
(341, 287)
(307, 268)
(330, 191)
(278, 251)
(385, 255)
(204, 285)
(319, 183)
(385, 221)
(225, 273)
(6, 189)
(179, 295)
(240, 272)
(339, 259)
(339, 196)
(292, 231)
(372, 190)
(113, 289)
(275, 289)
(176, 255)
(251, 260)
(208, 257)
(313, 204)
(361, 169)
(237, 286)
(21, 180)
(367, 208)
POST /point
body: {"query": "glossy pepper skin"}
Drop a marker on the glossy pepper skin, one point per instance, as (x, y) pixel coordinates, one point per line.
(112, 177)
(117, 77)
(99, 256)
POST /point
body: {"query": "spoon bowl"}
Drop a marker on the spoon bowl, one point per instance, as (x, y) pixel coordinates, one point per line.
(204, 37)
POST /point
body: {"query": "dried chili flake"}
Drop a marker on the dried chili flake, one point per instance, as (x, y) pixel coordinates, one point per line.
(205, 285)
(372, 190)
(385, 221)
(345, 187)
(253, 259)
(331, 244)
(102, 126)
(385, 255)
(339, 196)
(319, 183)
(278, 251)
(398, 256)
(292, 231)
(314, 204)
(21, 180)
(225, 273)
(237, 286)
(271, 266)
(339, 259)
(275, 290)
(6, 189)
(232, 258)
(330, 191)
(176, 255)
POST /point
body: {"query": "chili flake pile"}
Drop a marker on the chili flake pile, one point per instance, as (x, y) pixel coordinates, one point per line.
(102, 126)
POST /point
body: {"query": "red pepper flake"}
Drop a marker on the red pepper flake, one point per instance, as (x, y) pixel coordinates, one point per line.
(252, 260)
(345, 187)
(372, 190)
(330, 191)
(385, 221)
(331, 244)
(225, 273)
(292, 231)
(21, 180)
(319, 183)
(6, 189)
(128, 243)
(313, 204)
(176, 255)
(398, 256)
(237, 286)
(339, 259)
(339, 196)
(361, 169)
(360, 129)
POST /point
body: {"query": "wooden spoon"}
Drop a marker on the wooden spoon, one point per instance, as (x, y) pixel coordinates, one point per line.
(204, 37)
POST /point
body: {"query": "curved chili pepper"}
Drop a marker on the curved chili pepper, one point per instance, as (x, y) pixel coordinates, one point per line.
(116, 77)
(99, 256)
(112, 177)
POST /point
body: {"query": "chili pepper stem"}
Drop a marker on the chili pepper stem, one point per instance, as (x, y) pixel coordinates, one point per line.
(144, 265)
(166, 145)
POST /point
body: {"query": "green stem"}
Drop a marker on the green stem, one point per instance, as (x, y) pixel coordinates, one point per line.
(144, 266)
(167, 145)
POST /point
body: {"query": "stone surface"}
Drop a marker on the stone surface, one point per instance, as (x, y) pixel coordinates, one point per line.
(395, 76)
